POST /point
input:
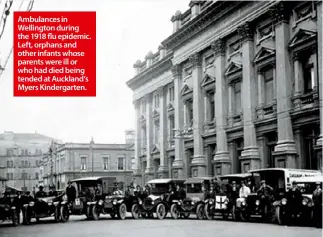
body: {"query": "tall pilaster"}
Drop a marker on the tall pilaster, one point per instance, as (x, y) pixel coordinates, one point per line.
(163, 167)
(222, 155)
(250, 155)
(137, 170)
(178, 165)
(285, 149)
(320, 60)
(149, 136)
(198, 108)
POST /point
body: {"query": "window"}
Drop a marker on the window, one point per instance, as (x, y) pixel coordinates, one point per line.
(143, 137)
(237, 97)
(211, 101)
(120, 163)
(172, 127)
(308, 75)
(156, 101)
(26, 164)
(156, 133)
(83, 163)
(189, 107)
(8, 164)
(9, 152)
(11, 176)
(36, 176)
(24, 175)
(171, 93)
(269, 85)
(8, 176)
(105, 163)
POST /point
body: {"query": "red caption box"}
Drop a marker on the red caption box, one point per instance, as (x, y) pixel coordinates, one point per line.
(54, 54)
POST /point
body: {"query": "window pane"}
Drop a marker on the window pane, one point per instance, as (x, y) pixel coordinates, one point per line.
(269, 91)
(120, 163)
(268, 74)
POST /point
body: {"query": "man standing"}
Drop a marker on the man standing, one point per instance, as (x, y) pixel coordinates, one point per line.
(70, 192)
(243, 193)
(317, 199)
(294, 200)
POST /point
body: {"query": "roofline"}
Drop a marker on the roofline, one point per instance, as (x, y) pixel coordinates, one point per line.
(284, 169)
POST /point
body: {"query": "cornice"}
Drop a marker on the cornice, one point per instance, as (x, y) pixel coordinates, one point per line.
(218, 47)
(211, 14)
(196, 60)
(153, 71)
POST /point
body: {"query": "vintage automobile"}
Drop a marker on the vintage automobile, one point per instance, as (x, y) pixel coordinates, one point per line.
(9, 211)
(224, 203)
(42, 208)
(160, 200)
(194, 201)
(280, 180)
(304, 213)
(85, 203)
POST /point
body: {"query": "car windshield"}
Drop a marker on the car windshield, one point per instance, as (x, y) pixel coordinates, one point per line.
(194, 188)
(306, 188)
(159, 189)
(273, 178)
(86, 187)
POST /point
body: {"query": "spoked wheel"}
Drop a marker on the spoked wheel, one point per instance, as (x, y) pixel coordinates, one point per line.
(174, 211)
(207, 212)
(95, 212)
(26, 217)
(15, 218)
(135, 211)
(161, 211)
(65, 213)
(57, 214)
(122, 211)
(200, 211)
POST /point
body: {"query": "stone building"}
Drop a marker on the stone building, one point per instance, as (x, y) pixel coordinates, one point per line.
(69, 161)
(21, 157)
(235, 87)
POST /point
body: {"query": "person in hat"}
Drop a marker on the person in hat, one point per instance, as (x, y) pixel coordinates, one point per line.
(233, 192)
(317, 211)
(70, 192)
(294, 200)
(180, 193)
(243, 193)
(40, 193)
(5, 200)
(265, 191)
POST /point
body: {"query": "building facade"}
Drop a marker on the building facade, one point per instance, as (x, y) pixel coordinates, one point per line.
(235, 87)
(21, 157)
(70, 161)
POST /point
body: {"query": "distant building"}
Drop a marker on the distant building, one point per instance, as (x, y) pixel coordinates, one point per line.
(3, 182)
(21, 157)
(69, 161)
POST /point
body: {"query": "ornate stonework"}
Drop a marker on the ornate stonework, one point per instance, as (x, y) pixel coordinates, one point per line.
(196, 60)
(246, 32)
(218, 47)
(280, 13)
(176, 71)
(137, 64)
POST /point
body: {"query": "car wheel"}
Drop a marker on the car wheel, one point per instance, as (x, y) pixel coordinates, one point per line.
(15, 218)
(95, 212)
(186, 215)
(122, 211)
(89, 213)
(207, 212)
(57, 214)
(26, 217)
(161, 211)
(174, 211)
(200, 211)
(65, 213)
(135, 211)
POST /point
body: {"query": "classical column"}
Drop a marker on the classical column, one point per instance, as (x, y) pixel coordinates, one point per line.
(221, 156)
(163, 167)
(207, 107)
(137, 171)
(298, 83)
(230, 104)
(320, 72)
(179, 120)
(198, 114)
(149, 173)
(250, 153)
(285, 148)
(261, 95)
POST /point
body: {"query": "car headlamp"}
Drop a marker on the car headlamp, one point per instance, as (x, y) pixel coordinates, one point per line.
(100, 202)
(243, 203)
(152, 203)
(257, 202)
(304, 202)
(31, 204)
(284, 201)
(140, 202)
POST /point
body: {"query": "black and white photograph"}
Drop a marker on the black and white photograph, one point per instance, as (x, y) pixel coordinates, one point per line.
(160, 118)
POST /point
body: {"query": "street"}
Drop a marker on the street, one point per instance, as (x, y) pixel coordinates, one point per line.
(106, 226)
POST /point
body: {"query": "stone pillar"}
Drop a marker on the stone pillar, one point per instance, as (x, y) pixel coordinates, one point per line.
(149, 172)
(250, 153)
(285, 148)
(230, 105)
(163, 168)
(320, 72)
(179, 120)
(137, 171)
(261, 95)
(298, 83)
(198, 106)
(221, 156)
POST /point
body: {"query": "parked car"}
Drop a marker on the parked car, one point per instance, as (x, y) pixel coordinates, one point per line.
(42, 208)
(85, 201)
(160, 199)
(9, 211)
(302, 211)
(194, 201)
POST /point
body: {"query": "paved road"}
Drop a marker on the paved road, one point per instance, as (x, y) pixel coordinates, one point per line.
(78, 227)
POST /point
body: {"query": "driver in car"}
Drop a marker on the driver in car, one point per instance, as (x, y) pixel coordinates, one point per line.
(40, 193)
(265, 192)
